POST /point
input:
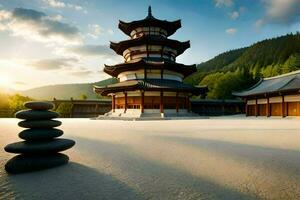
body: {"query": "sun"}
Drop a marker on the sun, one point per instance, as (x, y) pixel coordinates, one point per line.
(5, 82)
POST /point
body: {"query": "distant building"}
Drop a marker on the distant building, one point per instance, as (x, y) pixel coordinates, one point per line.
(150, 80)
(94, 108)
(84, 108)
(275, 96)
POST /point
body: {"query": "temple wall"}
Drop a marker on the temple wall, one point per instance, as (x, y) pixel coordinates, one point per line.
(151, 102)
(290, 106)
(152, 51)
(155, 74)
(139, 32)
(148, 93)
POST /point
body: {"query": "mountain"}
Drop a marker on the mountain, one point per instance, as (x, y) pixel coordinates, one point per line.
(241, 68)
(66, 91)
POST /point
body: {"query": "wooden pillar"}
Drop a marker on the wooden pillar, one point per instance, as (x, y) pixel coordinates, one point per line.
(161, 106)
(113, 103)
(125, 104)
(188, 106)
(282, 106)
(72, 110)
(177, 106)
(142, 101)
(256, 108)
(145, 73)
(246, 108)
(186, 103)
(96, 109)
(268, 107)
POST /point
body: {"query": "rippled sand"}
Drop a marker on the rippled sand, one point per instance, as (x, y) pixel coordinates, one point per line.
(220, 158)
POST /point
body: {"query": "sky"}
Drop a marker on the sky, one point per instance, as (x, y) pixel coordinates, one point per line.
(47, 42)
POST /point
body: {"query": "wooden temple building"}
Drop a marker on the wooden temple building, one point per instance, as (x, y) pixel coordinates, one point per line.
(150, 79)
(94, 107)
(275, 96)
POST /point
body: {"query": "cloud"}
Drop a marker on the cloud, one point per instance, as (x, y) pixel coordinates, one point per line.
(90, 50)
(109, 31)
(280, 11)
(83, 73)
(55, 3)
(61, 4)
(259, 23)
(76, 7)
(94, 30)
(231, 31)
(54, 63)
(19, 83)
(35, 25)
(234, 15)
(4, 15)
(223, 3)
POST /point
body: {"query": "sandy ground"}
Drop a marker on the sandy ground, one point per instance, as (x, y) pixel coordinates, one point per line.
(221, 158)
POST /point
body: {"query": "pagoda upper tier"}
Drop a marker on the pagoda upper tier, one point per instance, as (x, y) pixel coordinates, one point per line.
(149, 25)
(150, 44)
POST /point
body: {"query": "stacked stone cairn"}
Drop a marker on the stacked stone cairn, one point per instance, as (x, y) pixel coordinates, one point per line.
(41, 146)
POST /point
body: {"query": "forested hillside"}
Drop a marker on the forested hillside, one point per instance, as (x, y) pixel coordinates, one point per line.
(241, 68)
(66, 91)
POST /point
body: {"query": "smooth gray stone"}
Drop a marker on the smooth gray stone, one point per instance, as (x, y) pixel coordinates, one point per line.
(36, 114)
(40, 147)
(29, 163)
(39, 105)
(40, 134)
(39, 123)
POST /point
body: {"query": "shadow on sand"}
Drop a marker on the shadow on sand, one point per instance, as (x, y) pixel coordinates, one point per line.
(148, 179)
(72, 181)
(280, 159)
(156, 180)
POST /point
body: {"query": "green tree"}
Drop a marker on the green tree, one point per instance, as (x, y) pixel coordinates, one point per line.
(210, 81)
(83, 97)
(16, 102)
(292, 63)
(4, 106)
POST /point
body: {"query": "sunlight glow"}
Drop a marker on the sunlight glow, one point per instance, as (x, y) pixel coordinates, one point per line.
(5, 81)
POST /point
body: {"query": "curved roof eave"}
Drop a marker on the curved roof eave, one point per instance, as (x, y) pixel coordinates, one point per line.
(282, 83)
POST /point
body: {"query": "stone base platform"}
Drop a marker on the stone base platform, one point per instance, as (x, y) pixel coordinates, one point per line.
(149, 114)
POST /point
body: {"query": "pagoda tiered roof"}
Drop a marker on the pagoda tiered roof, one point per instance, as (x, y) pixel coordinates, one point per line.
(115, 70)
(150, 21)
(148, 59)
(149, 85)
(120, 47)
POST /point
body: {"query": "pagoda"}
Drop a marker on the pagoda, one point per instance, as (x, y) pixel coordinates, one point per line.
(150, 79)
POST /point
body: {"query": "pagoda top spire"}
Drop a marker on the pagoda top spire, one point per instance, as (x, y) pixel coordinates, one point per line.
(149, 12)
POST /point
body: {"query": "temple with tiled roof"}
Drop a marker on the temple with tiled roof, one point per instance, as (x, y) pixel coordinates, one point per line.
(150, 79)
(274, 96)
